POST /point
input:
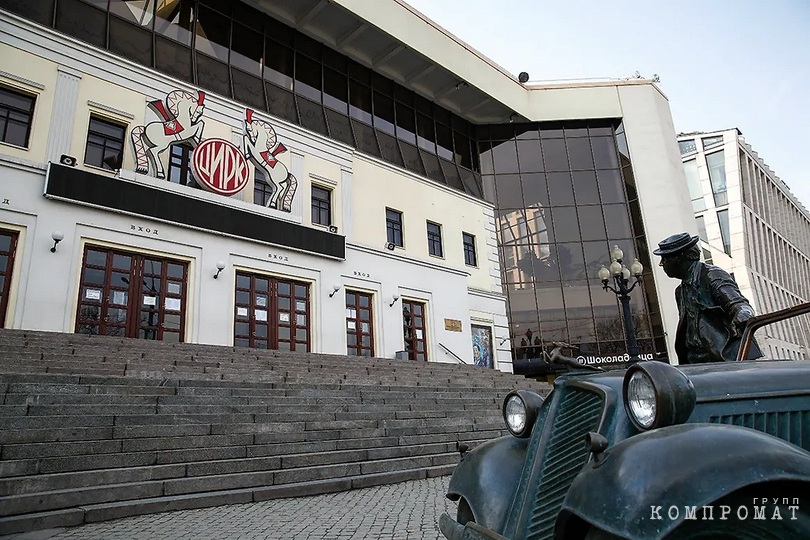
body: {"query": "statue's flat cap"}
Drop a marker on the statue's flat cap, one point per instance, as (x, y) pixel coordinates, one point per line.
(675, 244)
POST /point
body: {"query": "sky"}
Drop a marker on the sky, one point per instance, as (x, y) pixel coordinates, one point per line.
(722, 63)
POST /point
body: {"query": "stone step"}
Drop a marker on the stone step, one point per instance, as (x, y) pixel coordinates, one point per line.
(56, 499)
(115, 510)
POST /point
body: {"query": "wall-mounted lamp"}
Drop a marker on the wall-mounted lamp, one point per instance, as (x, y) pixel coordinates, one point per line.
(394, 301)
(335, 289)
(513, 117)
(220, 268)
(57, 237)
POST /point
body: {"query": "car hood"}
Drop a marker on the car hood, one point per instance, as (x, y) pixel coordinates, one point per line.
(726, 380)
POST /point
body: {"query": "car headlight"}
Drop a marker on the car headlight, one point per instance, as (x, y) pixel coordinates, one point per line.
(641, 399)
(520, 408)
(657, 395)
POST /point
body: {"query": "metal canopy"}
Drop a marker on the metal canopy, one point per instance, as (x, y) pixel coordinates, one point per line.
(347, 33)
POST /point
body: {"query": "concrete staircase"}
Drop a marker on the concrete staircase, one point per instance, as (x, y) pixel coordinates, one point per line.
(94, 428)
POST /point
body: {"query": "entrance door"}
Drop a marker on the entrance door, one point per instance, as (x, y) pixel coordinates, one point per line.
(413, 323)
(130, 295)
(359, 324)
(271, 313)
(8, 247)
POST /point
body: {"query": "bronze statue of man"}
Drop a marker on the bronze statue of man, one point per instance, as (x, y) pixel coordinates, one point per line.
(712, 310)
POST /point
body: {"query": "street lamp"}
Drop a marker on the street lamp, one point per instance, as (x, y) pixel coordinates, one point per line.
(621, 277)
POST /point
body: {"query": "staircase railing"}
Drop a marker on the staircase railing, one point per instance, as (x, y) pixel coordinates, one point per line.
(457, 357)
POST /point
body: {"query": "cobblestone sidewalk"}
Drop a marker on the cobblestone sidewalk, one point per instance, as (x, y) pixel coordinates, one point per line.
(406, 511)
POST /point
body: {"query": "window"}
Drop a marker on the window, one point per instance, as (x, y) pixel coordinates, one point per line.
(710, 142)
(716, 163)
(261, 189)
(687, 147)
(105, 144)
(693, 183)
(16, 115)
(180, 165)
(701, 226)
(393, 225)
(469, 249)
(434, 236)
(722, 217)
(321, 206)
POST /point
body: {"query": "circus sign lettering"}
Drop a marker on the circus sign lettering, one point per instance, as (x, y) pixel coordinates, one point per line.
(220, 166)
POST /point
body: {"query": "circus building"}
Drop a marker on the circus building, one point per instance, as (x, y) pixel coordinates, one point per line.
(340, 177)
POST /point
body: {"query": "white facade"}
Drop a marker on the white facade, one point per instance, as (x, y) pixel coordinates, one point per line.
(73, 82)
(752, 226)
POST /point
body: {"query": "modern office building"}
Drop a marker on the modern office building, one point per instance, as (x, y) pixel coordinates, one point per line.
(338, 177)
(751, 225)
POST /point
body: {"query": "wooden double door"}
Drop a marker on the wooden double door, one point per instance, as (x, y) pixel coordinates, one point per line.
(414, 330)
(271, 313)
(132, 295)
(8, 248)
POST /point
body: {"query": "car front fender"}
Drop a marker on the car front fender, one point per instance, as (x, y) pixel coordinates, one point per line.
(487, 478)
(689, 465)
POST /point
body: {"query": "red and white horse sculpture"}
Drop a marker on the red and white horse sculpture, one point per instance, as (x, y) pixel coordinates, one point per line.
(180, 122)
(262, 147)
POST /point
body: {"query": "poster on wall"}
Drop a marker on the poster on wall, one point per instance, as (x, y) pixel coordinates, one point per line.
(482, 346)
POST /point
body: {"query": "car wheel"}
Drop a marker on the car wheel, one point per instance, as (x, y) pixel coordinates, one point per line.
(464, 514)
(794, 522)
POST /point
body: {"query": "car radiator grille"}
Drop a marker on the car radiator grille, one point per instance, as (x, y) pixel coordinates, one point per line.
(791, 426)
(565, 455)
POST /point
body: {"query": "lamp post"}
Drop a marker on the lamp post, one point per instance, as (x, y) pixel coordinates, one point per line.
(621, 278)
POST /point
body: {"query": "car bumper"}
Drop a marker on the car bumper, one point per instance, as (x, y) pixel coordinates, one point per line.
(453, 530)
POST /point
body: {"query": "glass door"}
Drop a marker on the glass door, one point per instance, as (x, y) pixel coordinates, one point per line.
(359, 324)
(271, 313)
(130, 295)
(8, 247)
(413, 323)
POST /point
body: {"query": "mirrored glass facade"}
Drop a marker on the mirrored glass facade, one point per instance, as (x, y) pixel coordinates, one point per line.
(564, 195)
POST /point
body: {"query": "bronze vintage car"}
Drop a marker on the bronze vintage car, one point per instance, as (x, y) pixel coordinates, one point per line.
(716, 450)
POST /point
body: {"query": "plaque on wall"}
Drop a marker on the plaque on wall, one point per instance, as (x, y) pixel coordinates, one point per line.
(452, 325)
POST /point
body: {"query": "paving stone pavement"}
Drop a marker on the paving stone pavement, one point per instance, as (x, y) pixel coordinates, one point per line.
(404, 511)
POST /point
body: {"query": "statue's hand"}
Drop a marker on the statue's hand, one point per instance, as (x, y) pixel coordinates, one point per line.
(743, 313)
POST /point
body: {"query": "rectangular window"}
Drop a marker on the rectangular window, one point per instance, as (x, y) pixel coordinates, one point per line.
(180, 165)
(722, 217)
(434, 237)
(701, 226)
(687, 147)
(105, 144)
(393, 225)
(716, 163)
(16, 116)
(693, 183)
(321, 206)
(711, 142)
(262, 191)
(470, 258)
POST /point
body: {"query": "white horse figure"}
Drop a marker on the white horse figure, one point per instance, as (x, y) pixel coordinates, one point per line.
(180, 123)
(262, 147)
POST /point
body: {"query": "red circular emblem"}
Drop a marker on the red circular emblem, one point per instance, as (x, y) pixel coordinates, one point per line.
(220, 166)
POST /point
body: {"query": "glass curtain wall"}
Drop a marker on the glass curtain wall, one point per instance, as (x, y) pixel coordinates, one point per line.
(564, 195)
(244, 54)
